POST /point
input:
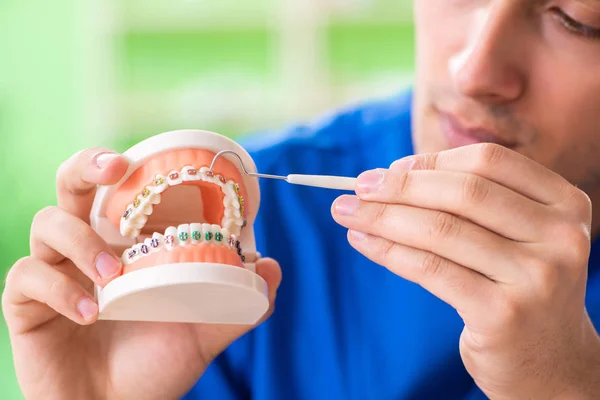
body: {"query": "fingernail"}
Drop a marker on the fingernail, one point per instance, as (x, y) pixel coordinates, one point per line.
(107, 265)
(346, 205)
(402, 165)
(370, 180)
(103, 159)
(357, 235)
(87, 307)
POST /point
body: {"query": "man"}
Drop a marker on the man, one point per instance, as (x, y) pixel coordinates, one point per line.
(483, 225)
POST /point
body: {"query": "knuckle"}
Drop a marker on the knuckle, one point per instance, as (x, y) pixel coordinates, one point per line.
(18, 269)
(432, 265)
(444, 226)
(575, 244)
(475, 189)
(81, 238)
(583, 205)
(546, 278)
(65, 169)
(387, 248)
(379, 213)
(404, 183)
(44, 216)
(530, 261)
(427, 161)
(509, 313)
(576, 203)
(490, 155)
(59, 286)
(458, 284)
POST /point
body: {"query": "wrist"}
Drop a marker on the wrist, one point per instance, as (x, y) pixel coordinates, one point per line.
(584, 381)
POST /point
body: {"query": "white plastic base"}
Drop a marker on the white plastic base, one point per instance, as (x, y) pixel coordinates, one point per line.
(186, 292)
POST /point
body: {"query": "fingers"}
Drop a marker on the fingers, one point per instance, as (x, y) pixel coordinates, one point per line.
(56, 234)
(33, 279)
(270, 271)
(78, 177)
(477, 199)
(438, 232)
(465, 290)
(497, 164)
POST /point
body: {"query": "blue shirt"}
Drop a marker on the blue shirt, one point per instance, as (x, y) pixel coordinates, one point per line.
(343, 327)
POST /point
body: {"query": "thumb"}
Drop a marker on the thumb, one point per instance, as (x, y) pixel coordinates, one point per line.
(270, 271)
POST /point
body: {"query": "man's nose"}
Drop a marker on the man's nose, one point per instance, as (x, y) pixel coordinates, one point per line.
(489, 66)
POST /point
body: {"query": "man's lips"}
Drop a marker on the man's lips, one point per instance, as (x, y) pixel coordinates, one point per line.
(458, 134)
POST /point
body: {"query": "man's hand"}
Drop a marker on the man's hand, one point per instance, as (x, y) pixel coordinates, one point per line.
(60, 350)
(506, 243)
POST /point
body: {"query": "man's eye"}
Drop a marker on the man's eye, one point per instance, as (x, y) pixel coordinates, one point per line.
(574, 26)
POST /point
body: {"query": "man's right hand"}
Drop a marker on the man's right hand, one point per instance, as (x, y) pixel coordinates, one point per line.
(60, 350)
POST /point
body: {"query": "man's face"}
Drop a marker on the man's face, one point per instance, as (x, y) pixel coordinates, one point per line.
(522, 73)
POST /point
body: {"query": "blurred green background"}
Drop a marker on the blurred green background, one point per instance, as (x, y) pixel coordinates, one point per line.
(81, 73)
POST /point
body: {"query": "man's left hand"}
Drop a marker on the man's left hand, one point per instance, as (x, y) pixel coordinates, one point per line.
(505, 242)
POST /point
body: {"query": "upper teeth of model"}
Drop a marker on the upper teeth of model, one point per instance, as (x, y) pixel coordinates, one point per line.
(183, 235)
(136, 214)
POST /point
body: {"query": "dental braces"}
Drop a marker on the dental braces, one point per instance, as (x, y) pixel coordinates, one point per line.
(184, 235)
(136, 214)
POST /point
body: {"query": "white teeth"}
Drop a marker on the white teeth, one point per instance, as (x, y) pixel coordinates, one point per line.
(151, 245)
(139, 222)
(196, 233)
(174, 178)
(147, 209)
(157, 242)
(130, 255)
(216, 229)
(204, 170)
(125, 229)
(190, 173)
(229, 191)
(129, 231)
(183, 234)
(154, 198)
(221, 181)
(161, 187)
(171, 237)
(206, 229)
(225, 233)
(143, 249)
(157, 235)
(160, 184)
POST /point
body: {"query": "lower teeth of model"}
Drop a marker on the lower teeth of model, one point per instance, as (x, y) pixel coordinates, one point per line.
(183, 235)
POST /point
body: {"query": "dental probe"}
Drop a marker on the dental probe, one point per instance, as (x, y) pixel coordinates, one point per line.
(323, 181)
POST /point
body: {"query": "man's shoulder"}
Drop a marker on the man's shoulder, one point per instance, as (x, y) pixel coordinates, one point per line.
(356, 127)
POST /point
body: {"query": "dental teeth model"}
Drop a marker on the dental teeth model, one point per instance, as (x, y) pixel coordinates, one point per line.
(185, 233)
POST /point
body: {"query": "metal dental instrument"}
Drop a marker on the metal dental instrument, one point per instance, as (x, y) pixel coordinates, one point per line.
(323, 181)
